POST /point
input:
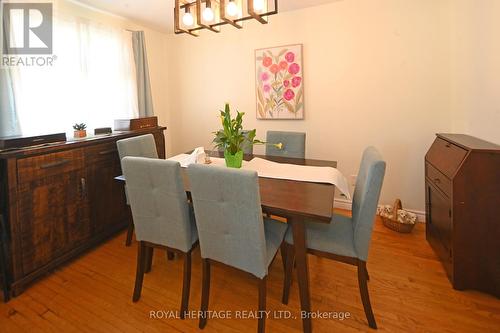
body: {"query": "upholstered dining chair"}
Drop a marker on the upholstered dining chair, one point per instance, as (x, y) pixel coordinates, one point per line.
(138, 146)
(162, 216)
(347, 239)
(231, 227)
(294, 144)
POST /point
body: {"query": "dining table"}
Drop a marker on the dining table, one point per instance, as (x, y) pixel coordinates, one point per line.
(299, 203)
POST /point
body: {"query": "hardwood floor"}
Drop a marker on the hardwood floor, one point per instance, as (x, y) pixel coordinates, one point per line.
(408, 289)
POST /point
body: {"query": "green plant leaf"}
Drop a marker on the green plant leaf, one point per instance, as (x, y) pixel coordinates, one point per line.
(261, 111)
(282, 53)
(289, 106)
(259, 95)
(300, 94)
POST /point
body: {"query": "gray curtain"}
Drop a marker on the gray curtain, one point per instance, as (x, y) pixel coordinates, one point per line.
(144, 96)
(9, 123)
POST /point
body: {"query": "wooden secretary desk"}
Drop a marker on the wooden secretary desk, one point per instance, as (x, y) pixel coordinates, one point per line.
(59, 200)
(462, 187)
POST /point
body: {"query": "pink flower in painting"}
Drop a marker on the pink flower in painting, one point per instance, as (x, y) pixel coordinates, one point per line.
(286, 83)
(283, 65)
(289, 94)
(294, 69)
(274, 69)
(267, 88)
(290, 57)
(296, 81)
(267, 61)
(264, 76)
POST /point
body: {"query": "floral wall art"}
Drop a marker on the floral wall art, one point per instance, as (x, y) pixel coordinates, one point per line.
(279, 82)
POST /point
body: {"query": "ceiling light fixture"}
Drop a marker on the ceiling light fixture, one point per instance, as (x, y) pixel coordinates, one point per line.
(211, 14)
(188, 18)
(232, 9)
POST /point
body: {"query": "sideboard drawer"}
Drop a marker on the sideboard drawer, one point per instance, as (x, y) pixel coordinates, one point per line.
(32, 168)
(102, 152)
(446, 157)
(438, 179)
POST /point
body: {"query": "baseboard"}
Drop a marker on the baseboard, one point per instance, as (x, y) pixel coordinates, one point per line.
(347, 205)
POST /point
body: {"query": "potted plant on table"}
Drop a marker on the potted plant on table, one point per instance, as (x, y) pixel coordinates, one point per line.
(80, 130)
(232, 139)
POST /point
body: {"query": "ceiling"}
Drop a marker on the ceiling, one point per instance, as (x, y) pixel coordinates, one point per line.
(159, 14)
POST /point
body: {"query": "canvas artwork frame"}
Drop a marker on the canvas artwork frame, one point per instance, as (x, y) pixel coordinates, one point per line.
(279, 82)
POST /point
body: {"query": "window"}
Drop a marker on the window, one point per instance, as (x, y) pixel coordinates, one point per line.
(92, 81)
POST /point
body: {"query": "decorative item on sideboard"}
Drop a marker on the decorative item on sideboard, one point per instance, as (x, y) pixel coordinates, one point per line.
(103, 131)
(16, 142)
(80, 130)
(135, 124)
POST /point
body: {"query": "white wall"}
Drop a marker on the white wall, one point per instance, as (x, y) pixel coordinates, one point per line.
(376, 73)
(388, 73)
(475, 70)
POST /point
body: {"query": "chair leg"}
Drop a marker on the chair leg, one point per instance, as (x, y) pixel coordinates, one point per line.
(149, 259)
(283, 249)
(186, 284)
(365, 297)
(288, 273)
(262, 305)
(367, 275)
(130, 233)
(205, 292)
(139, 272)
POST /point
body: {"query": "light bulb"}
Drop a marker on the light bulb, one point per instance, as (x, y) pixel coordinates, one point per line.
(232, 9)
(208, 14)
(188, 19)
(258, 5)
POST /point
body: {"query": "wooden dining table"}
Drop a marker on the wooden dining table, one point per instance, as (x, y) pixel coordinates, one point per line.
(298, 202)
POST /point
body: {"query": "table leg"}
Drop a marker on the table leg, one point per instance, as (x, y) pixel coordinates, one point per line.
(299, 243)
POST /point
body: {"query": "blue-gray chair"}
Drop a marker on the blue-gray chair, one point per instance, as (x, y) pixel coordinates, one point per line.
(293, 144)
(138, 146)
(162, 216)
(347, 239)
(231, 227)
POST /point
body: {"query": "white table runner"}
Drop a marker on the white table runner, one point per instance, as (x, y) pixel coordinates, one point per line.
(269, 169)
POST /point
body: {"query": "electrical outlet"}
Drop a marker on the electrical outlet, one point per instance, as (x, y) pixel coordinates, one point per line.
(353, 180)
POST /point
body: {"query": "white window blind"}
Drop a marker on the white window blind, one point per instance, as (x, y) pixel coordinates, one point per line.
(92, 80)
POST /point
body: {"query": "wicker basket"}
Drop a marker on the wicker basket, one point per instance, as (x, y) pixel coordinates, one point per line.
(393, 223)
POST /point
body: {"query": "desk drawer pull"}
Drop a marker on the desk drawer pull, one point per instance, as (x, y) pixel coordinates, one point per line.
(54, 164)
(106, 152)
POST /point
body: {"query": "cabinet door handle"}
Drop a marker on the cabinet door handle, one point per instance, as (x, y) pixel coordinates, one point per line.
(83, 183)
(437, 181)
(106, 152)
(447, 145)
(54, 164)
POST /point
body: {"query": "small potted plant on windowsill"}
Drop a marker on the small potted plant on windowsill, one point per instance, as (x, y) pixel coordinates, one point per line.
(231, 138)
(80, 130)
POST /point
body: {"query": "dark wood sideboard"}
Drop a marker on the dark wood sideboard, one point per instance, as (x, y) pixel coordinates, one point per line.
(462, 186)
(60, 200)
